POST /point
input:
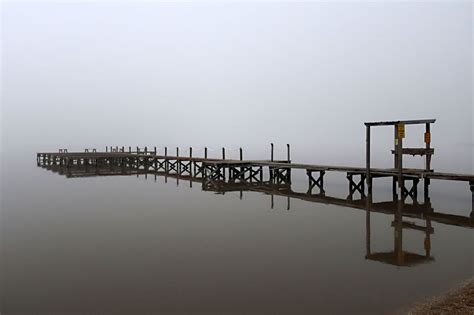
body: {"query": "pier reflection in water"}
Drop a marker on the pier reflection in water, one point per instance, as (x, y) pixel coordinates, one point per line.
(100, 240)
(400, 211)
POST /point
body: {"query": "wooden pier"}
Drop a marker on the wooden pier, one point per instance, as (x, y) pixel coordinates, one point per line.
(215, 173)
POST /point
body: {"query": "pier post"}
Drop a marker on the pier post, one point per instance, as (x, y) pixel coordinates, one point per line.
(367, 161)
(426, 190)
(271, 155)
(471, 184)
(106, 149)
(242, 176)
(154, 151)
(123, 149)
(205, 153)
(399, 151)
(223, 153)
(178, 163)
(129, 149)
(427, 143)
(138, 150)
(190, 152)
(146, 150)
(166, 162)
(288, 152)
(394, 189)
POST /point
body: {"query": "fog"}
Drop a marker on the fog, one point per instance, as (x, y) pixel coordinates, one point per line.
(238, 74)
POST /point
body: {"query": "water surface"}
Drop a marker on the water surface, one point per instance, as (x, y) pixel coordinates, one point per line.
(134, 244)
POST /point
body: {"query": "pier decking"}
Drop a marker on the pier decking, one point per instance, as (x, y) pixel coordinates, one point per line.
(214, 172)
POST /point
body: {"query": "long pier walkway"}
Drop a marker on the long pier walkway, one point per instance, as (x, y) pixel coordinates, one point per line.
(214, 172)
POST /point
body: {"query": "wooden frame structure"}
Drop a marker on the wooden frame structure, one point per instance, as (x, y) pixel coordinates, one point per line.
(399, 151)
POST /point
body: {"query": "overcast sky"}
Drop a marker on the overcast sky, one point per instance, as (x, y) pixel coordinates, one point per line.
(240, 74)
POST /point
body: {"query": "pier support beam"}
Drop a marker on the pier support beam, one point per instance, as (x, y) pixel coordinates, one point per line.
(356, 187)
(280, 175)
(312, 182)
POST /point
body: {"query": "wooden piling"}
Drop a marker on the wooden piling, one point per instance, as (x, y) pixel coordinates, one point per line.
(471, 184)
(428, 146)
(399, 150)
(367, 160)
(271, 155)
(288, 152)
(223, 153)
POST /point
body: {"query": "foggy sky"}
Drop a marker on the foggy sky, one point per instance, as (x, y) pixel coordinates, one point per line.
(239, 74)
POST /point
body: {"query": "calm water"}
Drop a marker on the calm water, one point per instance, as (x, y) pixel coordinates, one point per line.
(130, 244)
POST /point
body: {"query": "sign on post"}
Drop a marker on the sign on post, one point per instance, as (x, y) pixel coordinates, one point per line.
(401, 131)
(427, 137)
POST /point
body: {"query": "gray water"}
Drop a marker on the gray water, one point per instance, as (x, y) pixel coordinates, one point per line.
(142, 245)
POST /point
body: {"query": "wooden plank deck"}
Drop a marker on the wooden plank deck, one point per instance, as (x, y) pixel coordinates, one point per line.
(375, 172)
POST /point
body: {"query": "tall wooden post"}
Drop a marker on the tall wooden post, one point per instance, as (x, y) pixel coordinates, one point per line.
(123, 149)
(426, 181)
(271, 155)
(166, 164)
(399, 150)
(205, 153)
(241, 154)
(154, 151)
(190, 152)
(428, 146)
(138, 150)
(177, 151)
(367, 160)
(146, 150)
(223, 153)
(288, 152)
(129, 149)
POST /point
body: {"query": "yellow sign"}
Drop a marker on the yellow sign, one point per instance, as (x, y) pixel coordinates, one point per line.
(427, 137)
(401, 131)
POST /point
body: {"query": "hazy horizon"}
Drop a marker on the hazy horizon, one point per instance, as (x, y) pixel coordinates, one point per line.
(244, 74)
